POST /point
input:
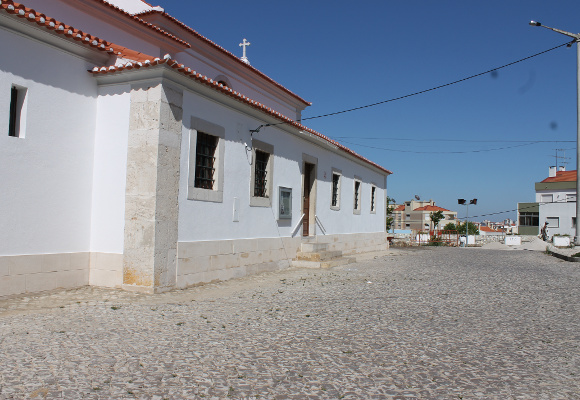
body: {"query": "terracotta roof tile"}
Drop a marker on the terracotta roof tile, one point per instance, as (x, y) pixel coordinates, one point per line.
(430, 208)
(562, 176)
(488, 229)
(220, 48)
(400, 208)
(29, 14)
(230, 92)
(147, 24)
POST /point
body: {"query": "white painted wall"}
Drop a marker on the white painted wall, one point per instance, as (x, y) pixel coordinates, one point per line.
(238, 83)
(110, 169)
(200, 220)
(85, 20)
(560, 208)
(47, 175)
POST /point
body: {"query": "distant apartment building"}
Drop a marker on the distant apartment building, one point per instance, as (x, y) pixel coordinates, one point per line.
(415, 215)
(555, 204)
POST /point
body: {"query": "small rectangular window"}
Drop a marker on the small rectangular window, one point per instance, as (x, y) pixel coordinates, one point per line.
(529, 219)
(261, 174)
(573, 222)
(553, 222)
(17, 111)
(335, 189)
(547, 198)
(335, 179)
(357, 196)
(205, 160)
(373, 193)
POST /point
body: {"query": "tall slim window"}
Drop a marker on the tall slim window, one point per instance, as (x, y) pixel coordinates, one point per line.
(261, 174)
(373, 191)
(357, 195)
(205, 160)
(335, 181)
(17, 111)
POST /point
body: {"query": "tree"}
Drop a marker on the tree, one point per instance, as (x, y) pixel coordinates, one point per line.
(436, 217)
(390, 208)
(450, 226)
(472, 229)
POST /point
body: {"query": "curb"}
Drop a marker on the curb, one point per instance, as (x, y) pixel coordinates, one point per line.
(565, 258)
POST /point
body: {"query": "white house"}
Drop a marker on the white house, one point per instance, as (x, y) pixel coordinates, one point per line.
(137, 153)
(556, 197)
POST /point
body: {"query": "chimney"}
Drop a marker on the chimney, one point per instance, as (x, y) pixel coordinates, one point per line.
(562, 168)
(552, 172)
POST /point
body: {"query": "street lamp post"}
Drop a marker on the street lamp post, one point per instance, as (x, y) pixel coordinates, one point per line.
(576, 37)
(465, 203)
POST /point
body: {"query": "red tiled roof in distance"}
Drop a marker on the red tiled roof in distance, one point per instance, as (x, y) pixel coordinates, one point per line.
(562, 176)
(488, 229)
(182, 69)
(430, 208)
(400, 208)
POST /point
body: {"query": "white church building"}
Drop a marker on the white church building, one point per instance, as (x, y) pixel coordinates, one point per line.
(136, 153)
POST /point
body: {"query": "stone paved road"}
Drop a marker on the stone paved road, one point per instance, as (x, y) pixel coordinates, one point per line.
(415, 324)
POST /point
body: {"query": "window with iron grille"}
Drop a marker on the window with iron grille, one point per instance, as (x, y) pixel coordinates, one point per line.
(205, 160)
(373, 189)
(335, 182)
(356, 195)
(261, 172)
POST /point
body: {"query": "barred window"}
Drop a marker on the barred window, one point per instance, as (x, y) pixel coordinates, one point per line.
(356, 195)
(261, 172)
(205, 160)
(373, 189)
(335, 181)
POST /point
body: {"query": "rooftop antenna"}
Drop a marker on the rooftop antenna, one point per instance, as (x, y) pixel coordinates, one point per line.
(561, 157)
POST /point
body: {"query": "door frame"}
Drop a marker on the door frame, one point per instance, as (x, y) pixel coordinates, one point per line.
(307, 159)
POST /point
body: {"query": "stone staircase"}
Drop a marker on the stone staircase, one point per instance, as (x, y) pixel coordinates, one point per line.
(317, 255)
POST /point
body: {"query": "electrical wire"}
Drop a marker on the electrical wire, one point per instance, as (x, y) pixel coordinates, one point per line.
(439, 152)
(524, 208)
(436, 87)
(453, 140)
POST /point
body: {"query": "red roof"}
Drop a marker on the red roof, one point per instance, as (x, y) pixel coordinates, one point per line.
(562, 176)
(220, 48)
(430, 208)
(400, 208)
(70, 32)
(232, 93)
(488, 229)
(145, 61)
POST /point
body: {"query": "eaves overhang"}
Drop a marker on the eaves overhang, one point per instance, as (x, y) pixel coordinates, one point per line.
(171, 71)
(555, 185)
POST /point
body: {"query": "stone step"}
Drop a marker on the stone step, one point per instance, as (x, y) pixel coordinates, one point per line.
(323, 264)
(313, 247)
(319, 256)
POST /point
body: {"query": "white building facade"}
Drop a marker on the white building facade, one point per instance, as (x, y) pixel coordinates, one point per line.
(141, 155)
(556, 197)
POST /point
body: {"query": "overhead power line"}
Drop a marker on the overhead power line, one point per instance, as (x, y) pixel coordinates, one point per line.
(452, 140)
(433, 88)
(440, 152)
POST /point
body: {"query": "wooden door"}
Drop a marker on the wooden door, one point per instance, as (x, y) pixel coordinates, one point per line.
(308, 180)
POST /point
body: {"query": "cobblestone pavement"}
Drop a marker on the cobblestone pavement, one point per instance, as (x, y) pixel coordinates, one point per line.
(414, 324)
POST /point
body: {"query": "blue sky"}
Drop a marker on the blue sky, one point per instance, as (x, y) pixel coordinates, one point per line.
(341, 54)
